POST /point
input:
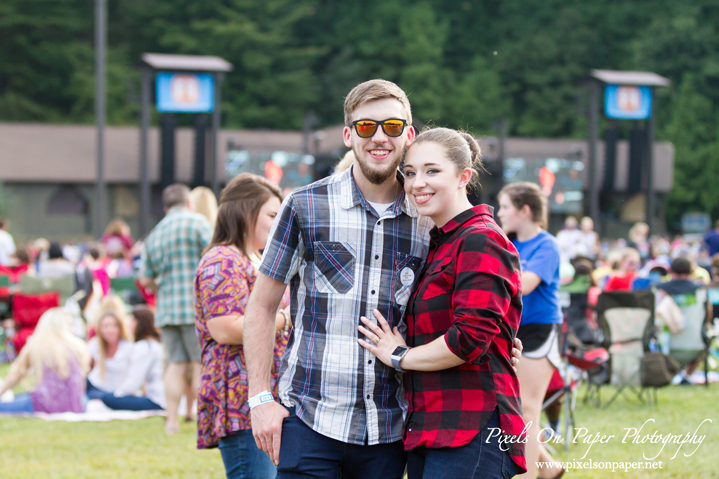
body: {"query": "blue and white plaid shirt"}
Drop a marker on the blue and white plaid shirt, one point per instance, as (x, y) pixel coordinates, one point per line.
(343, 260)
(171, 254)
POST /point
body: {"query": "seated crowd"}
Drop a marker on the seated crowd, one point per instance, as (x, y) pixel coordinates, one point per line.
(122, 365)
(122, 362)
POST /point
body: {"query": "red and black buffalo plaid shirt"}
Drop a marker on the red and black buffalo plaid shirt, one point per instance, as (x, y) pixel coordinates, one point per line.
(470, 293)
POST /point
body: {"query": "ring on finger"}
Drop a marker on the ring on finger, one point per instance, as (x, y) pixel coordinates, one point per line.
(376, 340)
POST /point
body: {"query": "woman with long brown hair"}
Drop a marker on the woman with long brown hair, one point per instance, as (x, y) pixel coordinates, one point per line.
(110, 353)
(223, 282)
(143, 387)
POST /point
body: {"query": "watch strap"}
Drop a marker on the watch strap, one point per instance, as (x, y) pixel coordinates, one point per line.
(397, 359)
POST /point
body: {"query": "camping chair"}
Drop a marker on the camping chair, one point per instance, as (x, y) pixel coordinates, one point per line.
(574, 299)
(26, 312)
(64, 285)
(691, 343)
(4, 295)
(126, 289)
(626, 319)
(14, 272)
(565, 380)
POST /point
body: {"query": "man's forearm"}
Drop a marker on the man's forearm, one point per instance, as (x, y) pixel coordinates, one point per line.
(259, 335)
(150, 283)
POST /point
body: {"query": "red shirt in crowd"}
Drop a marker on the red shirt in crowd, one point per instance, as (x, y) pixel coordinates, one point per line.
(470, 294)
(621, 282)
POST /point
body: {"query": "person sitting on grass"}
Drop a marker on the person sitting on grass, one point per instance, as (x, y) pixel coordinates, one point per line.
(629, 264)
(143, 388)
(59, 361)
(110, 353)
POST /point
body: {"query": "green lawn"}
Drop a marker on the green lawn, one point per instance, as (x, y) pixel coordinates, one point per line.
(32, 448)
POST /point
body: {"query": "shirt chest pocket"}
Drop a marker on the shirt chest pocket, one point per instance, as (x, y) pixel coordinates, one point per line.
(334, 266)
(405, 276)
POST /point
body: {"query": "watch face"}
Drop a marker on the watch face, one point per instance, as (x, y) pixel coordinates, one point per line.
(398, 350)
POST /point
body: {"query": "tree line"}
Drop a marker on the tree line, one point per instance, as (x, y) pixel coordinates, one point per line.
(465, 64)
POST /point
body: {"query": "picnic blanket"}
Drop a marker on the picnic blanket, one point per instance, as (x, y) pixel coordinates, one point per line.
(95, 411)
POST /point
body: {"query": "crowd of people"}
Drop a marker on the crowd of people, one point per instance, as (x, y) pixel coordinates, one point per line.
(367, 324)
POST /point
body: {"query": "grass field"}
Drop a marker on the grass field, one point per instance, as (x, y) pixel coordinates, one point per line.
(32, 448)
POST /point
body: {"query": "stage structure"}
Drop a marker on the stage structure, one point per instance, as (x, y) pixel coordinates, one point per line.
(627, 96)
(183, 84)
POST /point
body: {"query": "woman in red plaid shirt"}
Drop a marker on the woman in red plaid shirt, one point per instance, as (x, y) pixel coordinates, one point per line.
(465, 414)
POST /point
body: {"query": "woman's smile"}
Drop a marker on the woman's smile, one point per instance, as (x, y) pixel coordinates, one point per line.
(422, 198)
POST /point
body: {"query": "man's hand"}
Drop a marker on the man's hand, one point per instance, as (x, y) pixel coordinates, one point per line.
(149, 283)
(267, 428)
(516, 353)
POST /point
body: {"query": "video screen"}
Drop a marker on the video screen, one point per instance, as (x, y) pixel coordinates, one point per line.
(287, 170)
(558, 178)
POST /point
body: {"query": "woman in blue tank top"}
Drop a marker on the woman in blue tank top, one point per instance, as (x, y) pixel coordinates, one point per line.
(523, 212)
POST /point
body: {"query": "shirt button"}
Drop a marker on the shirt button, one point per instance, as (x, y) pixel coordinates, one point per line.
(379, 223)
(373, 291)
(369, 362)
(376, 256)
(368, 396)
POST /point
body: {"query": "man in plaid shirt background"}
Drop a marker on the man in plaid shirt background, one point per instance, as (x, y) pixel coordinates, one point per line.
(170, 256)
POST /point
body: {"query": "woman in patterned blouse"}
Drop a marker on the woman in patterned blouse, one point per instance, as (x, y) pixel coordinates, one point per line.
(223, 282)
(465, 415)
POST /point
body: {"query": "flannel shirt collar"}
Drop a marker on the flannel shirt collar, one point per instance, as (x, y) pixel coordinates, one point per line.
(459, 220)
(401, 204)
(176, 209)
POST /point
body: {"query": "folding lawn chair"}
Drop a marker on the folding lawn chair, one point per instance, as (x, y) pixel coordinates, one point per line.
(626, 319)
(63, 285)
(565, 380)
(692, 342)
(126, 288)
(4, 295)
(26, 312)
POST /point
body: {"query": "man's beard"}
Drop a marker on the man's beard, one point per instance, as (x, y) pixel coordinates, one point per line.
(377, 177)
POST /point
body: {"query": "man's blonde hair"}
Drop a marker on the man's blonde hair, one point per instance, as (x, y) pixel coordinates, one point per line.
(375, 90)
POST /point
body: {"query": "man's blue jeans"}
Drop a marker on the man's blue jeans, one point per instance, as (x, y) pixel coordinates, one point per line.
(305, 453)
(242, 458)
(477, 460)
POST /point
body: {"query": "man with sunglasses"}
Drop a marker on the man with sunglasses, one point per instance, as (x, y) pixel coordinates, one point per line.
(347, 244)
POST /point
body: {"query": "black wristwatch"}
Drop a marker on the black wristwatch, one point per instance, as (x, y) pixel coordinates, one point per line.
(397, 356)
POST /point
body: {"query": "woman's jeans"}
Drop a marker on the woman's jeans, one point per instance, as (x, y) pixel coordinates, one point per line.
(477, 460)
(129, 403)
(93, 392)
(242, 458)
(22, 403)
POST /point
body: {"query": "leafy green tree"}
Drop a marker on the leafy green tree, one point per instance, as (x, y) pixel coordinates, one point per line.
(272, 85)
(38, 54)
(422, 38)
(692, 130)
(476, 99)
